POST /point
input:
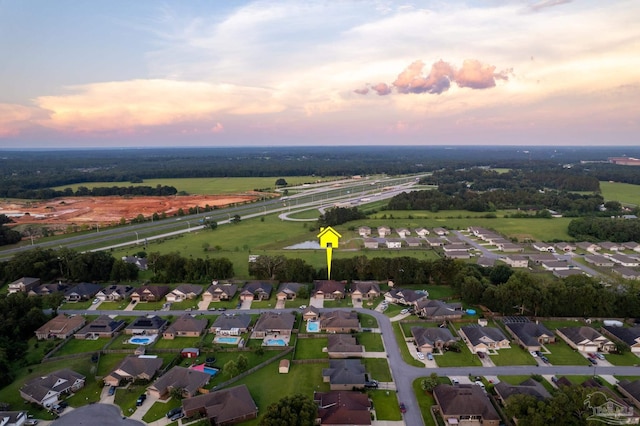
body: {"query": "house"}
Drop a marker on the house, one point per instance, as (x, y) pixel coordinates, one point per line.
(140, 262)
(588, 246)
(185, 326)
(361, 290)
(222, 407)
(529, 387)
(486, 262)
(188, 380)
(556, 265)
(438, 310)
(509, 247)
(103, 326)
(516, 261)
(422, 232)
(371, 243)
(151, 324)
(150, 293)
(60, 327)
(46, 390)
(133, 368)
(435, 242)
(310, 313)
(23, 285)
(465, 404)
(329, 289)
(539, 258)
(403, 232)
(256, 290)
(484, 339)
(630, 390)
(624, 260)
(393, 243)
(564, 273)
(598, 260)
(219, 292)
(432, 339)
(585, 339)
(457, 254)
(289, 291)
(364, 231)
(609, 246)
(344, 346)
(566, 247)
(441, 232)
(231, 325)
(343, 408)
(405, 296)
(184, 292)
(47, 289)
(630, 336)
(345, 374)
(270, 322)
(631, 245)
(625, 414)
(13, 418)
(544, 247)
(530, 335)
(627, 273)
(455, 247)
(384, 231)
(339, 321)
(114, 293)
(413, 242)
(82, 292)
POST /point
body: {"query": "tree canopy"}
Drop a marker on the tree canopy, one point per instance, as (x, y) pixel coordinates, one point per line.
(294, 410)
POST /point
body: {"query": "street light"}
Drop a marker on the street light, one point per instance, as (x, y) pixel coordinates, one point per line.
(137, 238)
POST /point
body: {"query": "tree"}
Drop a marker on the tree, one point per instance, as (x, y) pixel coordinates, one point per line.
(428, 384)
(242, 363)
(267, 267)
(236, 218)
(281, 182)
(211, 224)
(231, 368)
(294, 410)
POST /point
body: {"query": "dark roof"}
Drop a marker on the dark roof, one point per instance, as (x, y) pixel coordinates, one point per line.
(343, 343)
(228, 289)
(181, 377)
(430, 335)
(135, 366)
(158, 291)
(632, 388)
(84, 290)
(257, 287)
(529, 332)
(102, 324)
(189, 288)
(227, 322)
(579, 334)
(153, 322)
(329, 286)
(58, 381)
(365, 286)
(290, 288)
(630, 336)
(345, 372)
(343, 408)
(464, 400)
(339, 319)
(223, 405)
(478, 335)
(408, 295)
(187, 323)
(275, 321)
(528, 387)
(438, 308)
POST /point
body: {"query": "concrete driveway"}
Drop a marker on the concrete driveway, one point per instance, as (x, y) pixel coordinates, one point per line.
(246, 304)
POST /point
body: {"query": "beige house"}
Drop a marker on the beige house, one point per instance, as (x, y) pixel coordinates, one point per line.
(60, 327)
(189, 381)
(185, 326)
(219, 292)
(484, 339)
(465, 405)
(361, 290)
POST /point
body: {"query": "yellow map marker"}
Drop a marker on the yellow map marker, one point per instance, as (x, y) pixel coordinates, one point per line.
(329, 239)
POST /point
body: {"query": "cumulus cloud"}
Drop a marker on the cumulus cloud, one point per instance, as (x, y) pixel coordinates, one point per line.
(362, 91)
(15, 118)
(473, 74)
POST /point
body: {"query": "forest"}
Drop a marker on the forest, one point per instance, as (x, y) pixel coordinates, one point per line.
(616, 230)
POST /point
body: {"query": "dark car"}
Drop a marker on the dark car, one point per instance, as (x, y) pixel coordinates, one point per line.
(141, 399)
(481, 355)
(371, 384)
(176, 416)
(112, 390)
(593, 361)
(403, 408)
(174, 412)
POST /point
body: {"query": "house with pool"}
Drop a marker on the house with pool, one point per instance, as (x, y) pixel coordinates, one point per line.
(231, 325)
(149, 325)
(189, 381)
(185, 326)
(274, 327)
(339, 321)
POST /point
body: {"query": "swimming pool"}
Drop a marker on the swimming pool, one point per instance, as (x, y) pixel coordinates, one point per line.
(227, 340)
(274, 342)
(313, 326)
(211, 370)
(142, 340)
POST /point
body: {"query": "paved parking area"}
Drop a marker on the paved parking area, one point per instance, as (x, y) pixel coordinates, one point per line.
(95, 414)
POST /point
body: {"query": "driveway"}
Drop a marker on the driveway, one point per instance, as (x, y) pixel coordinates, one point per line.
(317, 302)
(246, 304)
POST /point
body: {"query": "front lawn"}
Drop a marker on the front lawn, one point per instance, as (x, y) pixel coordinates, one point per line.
(113, 306)
(464, 358)
(628, 359)
(378, 369)
(126, 398)
(149, 306)
(425, 402)
(386, 405)
(404, 350)
(512, 356)
(563, 354)
(372, 342)
(338, 303)
(367, 321)
(75, 305)
(311, 348)
(160, 409)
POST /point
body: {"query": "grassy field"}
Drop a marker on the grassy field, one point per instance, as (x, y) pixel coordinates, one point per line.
(513, 356)
(623, 192)
(628, 359)
(386, 405)
(75, 346)
(378, 369)
(205, 186)
(311, 348)
(372, 342)
(404, 350)
(425, 402)
(563, 354)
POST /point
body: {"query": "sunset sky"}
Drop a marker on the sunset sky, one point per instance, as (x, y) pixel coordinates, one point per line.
(231, 73)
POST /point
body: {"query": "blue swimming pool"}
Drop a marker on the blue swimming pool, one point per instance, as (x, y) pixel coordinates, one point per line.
(313, 326)
(227, 340)
(142, 340)
(210, 370)
(275, 342)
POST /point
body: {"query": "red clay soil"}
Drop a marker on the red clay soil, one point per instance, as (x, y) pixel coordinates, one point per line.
(89, 210)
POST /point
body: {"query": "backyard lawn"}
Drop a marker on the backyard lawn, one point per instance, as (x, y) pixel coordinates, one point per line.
(378, 369)
(75, 346)
(126, 398)
(159, 409)
(177, 343)
(372, 342)
(311, 348)
(512, 356)
(425, 402)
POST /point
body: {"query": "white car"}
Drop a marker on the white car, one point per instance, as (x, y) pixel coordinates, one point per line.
(533, 354)
(404, 311)
(95, 301)
(420, 355)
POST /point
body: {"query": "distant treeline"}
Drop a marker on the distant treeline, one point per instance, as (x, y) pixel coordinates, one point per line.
(605, 229)
(83, 191)
(7, 235)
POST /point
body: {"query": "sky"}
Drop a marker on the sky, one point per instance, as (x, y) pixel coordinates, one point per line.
(334, 72)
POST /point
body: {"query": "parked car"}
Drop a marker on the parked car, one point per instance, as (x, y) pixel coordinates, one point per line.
(31, 422)
(420, 355)
(430, 357)
(591, 355)
(371, 384)
(403, 408)
(112, 390)
(534, 354)
(141, 399)
(599, 355)
(222, 309)
(404, 311)
(173, 412)
(455, 381)
(481, 355)
(95, 301)
(593, 361)
(303, 306)
(176, 416)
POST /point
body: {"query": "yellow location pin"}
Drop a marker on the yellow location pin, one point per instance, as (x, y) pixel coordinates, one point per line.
(329, 240)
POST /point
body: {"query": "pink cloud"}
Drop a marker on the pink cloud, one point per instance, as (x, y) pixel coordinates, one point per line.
(475, 75)
(381, 89)
(362, 91)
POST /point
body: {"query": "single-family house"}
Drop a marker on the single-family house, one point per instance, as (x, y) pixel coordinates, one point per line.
(140, 262)
(289, 291)
(530, 335)
(486, 262)
(441, 232)
(528, 387)
(627, 273)
(403, 232)
(148, 325)
(422, 232)
(13, 418)
(538, 258)
(435, 242)
(413, 242)
(114, 293)
(343, 408)
(47, 289)
(516, 261)
(544, 247)
(184, 292)
(364, 231)
(405, 296)
(81, 292)
(133, 368)
(310, 313)
(393, 243)
(628, 335)
(23, 285)
(599, 260)
(222, 407)
(102, 327)
(60, 327)
(150, 293)
(432, 339)
(465, 404)
(624, 260)
(484, 339)
(219, 292)
(631, 245)
(371, 243)
(585, 339)
(588, 246)
(556, 265)
(46, 390)
(383, 231)
(609, 246)
(280, 323)
(344, 346)
(566, 247)
(329, 289)
(625, 413)
(455, 247)
(345, 374)
(438, 310)
(630, 390)
(364, 290)
(185, 326)
(339, 321)
(189, 381)
(509, 247)
(256, 290)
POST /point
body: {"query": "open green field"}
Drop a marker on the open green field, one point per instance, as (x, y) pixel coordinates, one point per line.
(206, 186)
(625, 193)
(513, 356)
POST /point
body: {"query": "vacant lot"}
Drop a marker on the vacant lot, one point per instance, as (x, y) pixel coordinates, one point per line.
(623, 192)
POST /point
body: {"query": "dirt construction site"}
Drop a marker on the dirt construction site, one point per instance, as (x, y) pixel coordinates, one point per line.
(108, 210)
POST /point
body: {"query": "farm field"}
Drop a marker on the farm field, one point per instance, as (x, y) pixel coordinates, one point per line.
(625, 193)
